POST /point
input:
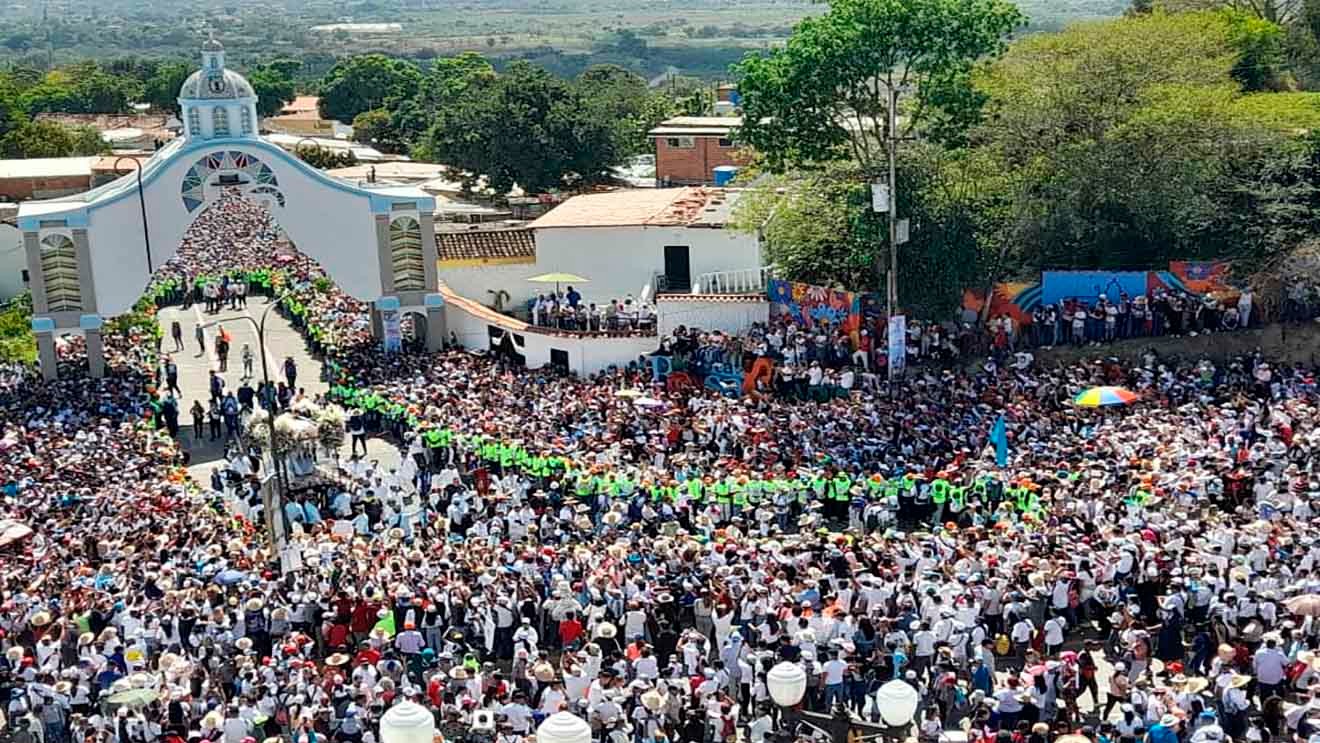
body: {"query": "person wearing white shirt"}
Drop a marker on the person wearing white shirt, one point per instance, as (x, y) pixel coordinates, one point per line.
(1270, 666)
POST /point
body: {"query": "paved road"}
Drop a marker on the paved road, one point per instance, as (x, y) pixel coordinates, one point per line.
(282, 341)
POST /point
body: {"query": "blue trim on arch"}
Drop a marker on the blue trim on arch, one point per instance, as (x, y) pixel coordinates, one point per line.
(433, 300)
(90, 322)
(387, 303)
(73, 219)
(275, 151)
(43, 325)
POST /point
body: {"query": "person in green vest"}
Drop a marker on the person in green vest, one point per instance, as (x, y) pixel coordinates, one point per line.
(696, 490)
(723, 495)
(939, 495)
(738, 497)
(840, 495)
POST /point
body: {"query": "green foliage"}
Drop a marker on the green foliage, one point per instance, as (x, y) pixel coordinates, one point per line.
(83, 88)
(824, 95)
(622, 100)
(523, 127)
(366, 81)
(161, 90)
(273, 85)
(17, 343)
(45, 138)
(1260, 47)
(373, 128)
(326, 159)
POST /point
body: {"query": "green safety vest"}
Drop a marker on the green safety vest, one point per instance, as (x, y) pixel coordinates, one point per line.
(842, 486)
(739, 495)
(959, 495)
(939, 490)
(722, 491)
(585, 485)
(695, 489)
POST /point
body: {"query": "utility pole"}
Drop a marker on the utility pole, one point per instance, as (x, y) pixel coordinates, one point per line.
(891, 143)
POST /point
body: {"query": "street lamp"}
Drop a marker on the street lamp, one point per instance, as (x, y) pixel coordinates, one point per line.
(896, 703)
(142, 203)
(277, 503)
(787, 683)
(407, 722)
(563, 727)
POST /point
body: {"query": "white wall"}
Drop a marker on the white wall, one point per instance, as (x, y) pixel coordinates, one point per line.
(332, 225)
(585, 355)
(13, 260)
(708, 314)
(621, 260)
(475, 282)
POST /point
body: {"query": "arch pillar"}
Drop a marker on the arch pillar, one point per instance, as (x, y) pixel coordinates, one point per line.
(436, 328)
(91, 327)
(44, 329)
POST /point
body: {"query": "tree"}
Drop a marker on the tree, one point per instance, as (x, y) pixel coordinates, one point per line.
(622, 101)
(523, 127)
(1117, 131)
(374, 128)
(162, 88)
(51, 139)
(366, 81)
(274, 90)
(823, 96)
(326, 159)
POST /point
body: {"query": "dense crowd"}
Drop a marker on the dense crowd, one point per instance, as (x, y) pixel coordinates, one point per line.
(642, 554)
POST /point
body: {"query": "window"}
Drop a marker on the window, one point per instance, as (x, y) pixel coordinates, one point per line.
(406, 255)
(194, 123)
(219, 122)
(245, 121)
(59, 268)
(680, 143)
(725, 142)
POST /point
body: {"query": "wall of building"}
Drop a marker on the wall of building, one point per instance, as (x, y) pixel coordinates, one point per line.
(691, 165)
(622, 260)
(477, 281)
(22, 189)
(586, 355)
(13, 261)
(729, 316)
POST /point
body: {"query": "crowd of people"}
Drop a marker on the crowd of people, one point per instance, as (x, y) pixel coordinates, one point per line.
(642, 555)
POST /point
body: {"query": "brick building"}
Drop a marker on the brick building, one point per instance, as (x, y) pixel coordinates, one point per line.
(688, 149)
(45, 177)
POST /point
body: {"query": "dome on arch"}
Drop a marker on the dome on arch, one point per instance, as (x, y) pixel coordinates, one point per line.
(202, 85)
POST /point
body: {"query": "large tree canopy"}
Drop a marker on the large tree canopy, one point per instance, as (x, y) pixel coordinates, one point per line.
(366, 81)
(824, 95)
(525, 127)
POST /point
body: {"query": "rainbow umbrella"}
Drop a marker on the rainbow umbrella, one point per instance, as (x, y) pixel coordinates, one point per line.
(1103, 396)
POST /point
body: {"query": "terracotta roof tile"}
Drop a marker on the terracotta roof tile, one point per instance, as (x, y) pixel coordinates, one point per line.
(477, 244)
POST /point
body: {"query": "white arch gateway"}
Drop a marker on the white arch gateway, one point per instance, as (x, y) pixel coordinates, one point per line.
(88, 256)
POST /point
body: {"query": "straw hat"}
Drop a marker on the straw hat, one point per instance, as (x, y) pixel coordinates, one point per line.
(254, 604)
(1239, 681)
(40, 619)
(336, 659)
(458, 673)
(244, 644)
(607, 631)
(86, 638)
(544, 672)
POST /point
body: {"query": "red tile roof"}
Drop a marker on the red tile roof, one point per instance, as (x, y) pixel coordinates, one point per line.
(484, 244)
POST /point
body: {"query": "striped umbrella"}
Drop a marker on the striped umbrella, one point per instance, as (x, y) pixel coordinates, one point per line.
(1096, 397)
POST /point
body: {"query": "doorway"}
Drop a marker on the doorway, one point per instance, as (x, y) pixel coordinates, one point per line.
(559, 359)
(678, 269)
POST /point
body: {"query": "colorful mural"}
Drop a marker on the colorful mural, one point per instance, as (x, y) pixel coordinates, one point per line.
(1018, 299)
(813, 306)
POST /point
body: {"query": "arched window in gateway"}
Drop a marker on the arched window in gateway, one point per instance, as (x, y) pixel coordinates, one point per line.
(220, 121)
(59, 267)
(406, 255)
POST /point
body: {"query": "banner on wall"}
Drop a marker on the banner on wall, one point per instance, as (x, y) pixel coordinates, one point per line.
(897, 344)
(390, 319)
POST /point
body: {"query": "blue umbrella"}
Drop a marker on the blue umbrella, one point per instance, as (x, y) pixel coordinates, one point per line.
(230, 577)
